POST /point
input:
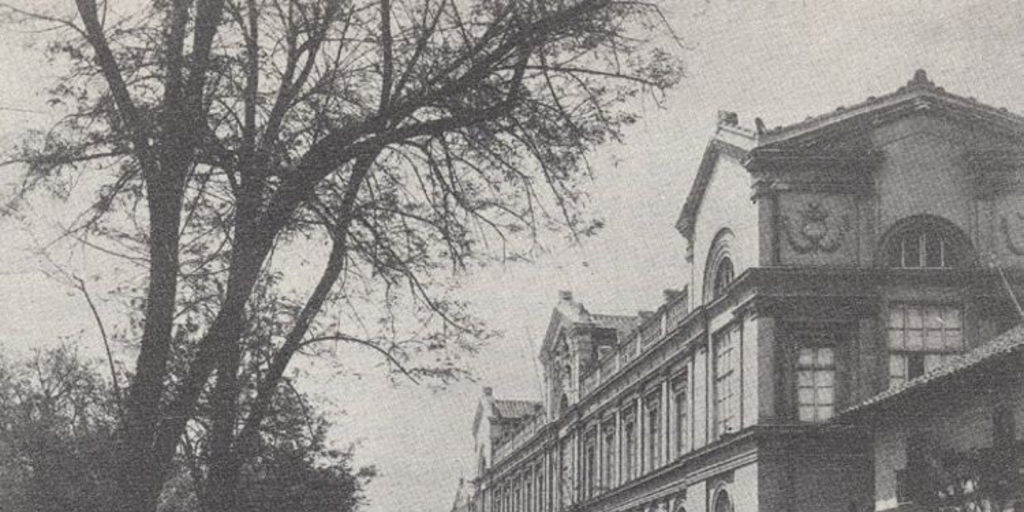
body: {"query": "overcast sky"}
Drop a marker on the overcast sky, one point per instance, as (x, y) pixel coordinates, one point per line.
(778, 60)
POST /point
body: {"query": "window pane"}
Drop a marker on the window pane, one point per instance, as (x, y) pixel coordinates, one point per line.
(915, 366)
(896, 317)
(951, 318)
(932, 361)
(933, 340)
(824, 396)
(825, 412)
(912, 250)
(896, 341)
(953, 341)
(914, 320)
(897, 365)
(915, 340)
(806, 357)
(805, 396)
(807, 413)
(825, 357)
(933, 318)
(823, 378)
(805, 379)
(933, 250)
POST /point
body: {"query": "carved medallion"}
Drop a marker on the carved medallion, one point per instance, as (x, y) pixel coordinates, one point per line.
(1013, 231)
(815, 231)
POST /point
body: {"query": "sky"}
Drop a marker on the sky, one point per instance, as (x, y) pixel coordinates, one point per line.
(778, 60)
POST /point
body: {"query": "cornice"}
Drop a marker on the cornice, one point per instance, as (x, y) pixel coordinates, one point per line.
(684, 224)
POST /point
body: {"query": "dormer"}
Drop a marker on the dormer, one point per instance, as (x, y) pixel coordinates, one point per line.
(574, 342)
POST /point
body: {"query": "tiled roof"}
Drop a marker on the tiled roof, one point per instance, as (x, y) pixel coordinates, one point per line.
(622, 323)
(510, 409)
(1005, 344)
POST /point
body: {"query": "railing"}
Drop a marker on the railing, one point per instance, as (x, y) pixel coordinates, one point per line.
(650, 331)
(654, 327)
(524, 434)
(590, 382)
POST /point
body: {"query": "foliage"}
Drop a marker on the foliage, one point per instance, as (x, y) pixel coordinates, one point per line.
(57, 419)
(397, 141)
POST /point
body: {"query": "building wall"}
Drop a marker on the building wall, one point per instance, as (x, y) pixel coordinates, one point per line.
(726, 204)
(827, 218)
(923, 171)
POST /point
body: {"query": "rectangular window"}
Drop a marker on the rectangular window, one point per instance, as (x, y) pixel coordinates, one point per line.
(681, 423)
(921, 338)
(726, 381)
(816, 370)
(652, 406)
(589, 463)
(608, 455)
(629, 445)
(539, 473)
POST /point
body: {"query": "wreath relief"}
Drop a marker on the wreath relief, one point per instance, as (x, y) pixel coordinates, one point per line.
(814, 232)
(1014, 246)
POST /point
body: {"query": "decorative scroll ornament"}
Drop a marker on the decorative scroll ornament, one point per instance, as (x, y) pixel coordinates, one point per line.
(1014, 246)
(814, 232)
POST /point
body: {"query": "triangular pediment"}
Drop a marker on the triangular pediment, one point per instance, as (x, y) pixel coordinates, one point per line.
(845, 137)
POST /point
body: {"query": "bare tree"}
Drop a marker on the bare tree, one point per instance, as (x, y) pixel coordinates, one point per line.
(402, 138)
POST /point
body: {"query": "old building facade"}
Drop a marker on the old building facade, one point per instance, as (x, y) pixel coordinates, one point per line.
(831, 262)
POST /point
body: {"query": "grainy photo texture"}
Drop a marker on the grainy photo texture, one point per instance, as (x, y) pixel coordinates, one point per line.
(511, 256)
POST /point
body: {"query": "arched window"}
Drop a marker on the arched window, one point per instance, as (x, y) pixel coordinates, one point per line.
(720, 269)
(925, 241)
(722, 502)
(724, 275)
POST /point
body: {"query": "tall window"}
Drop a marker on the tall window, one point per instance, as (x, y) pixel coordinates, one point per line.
(607, 455)
(724, 275)
(815, 374)
(722, 502)
(680, 419)
(539, 475)
(589, 463)
(652, 406)
(726, 384)
(629, 445)
(921, 338)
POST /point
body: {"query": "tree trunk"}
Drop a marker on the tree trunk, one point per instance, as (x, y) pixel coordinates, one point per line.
(222, 486)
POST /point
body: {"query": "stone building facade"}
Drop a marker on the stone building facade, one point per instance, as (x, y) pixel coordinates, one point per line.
(831, 262)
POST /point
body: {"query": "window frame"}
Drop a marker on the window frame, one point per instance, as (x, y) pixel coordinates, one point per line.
(726, 386)
(680, 387)
(924, 234)
(652, 430)
(629, 443)
(815, 369)
(912, 362)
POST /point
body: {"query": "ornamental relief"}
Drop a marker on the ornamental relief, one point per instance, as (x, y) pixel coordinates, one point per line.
(1012, 227)
(816, 230)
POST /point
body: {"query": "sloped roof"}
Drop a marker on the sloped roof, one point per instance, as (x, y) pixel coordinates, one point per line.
(513, 409)
(568, 311)
(1008, 343)
(918, 88)
(621, 323)
(746, 145)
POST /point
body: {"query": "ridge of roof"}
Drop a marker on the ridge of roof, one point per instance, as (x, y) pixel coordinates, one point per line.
(918, 86)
